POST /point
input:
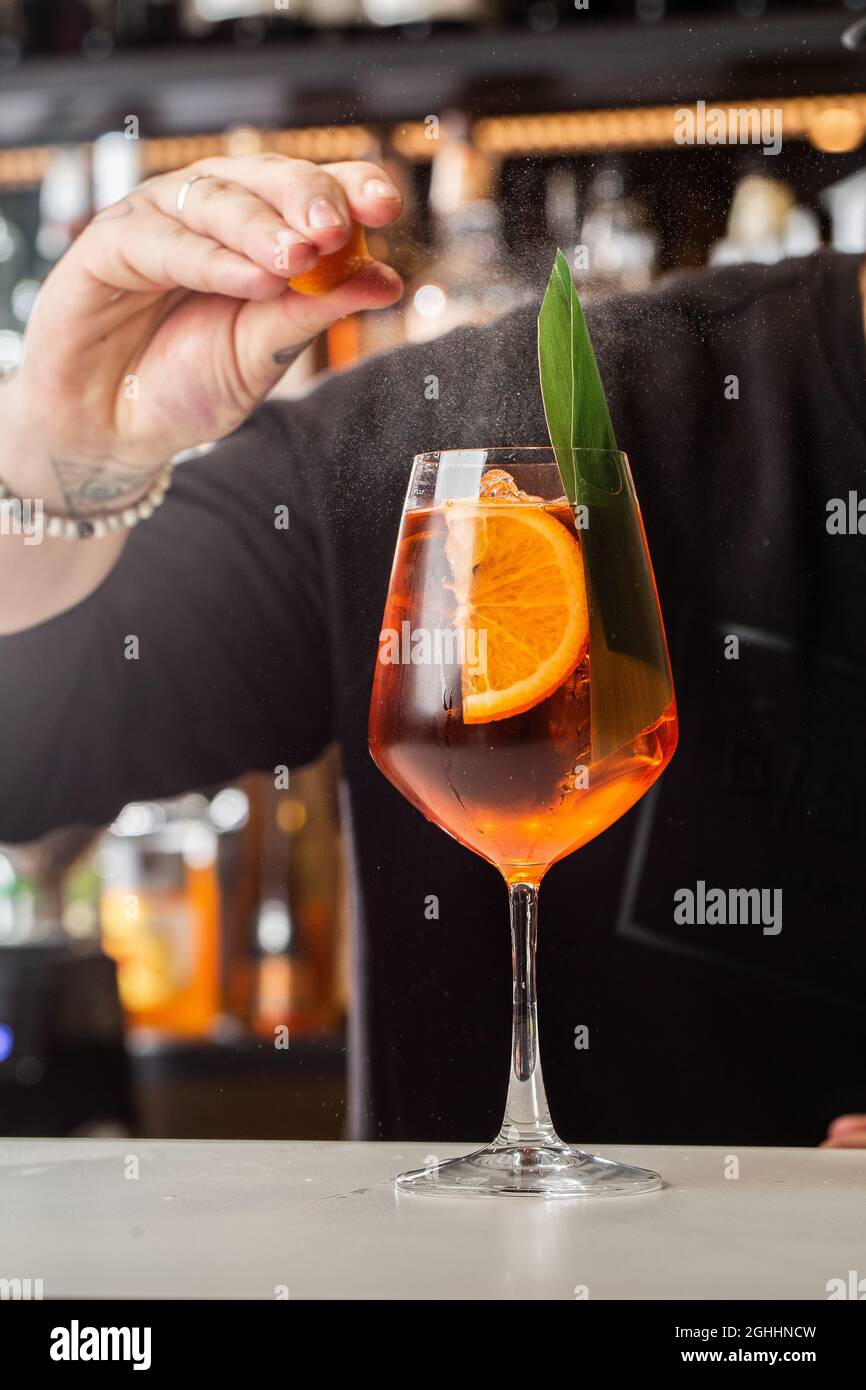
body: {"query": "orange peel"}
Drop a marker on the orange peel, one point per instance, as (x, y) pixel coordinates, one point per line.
(331, 271)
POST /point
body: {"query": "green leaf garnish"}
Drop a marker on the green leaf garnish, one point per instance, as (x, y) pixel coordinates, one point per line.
(630, 678)
(574, 401)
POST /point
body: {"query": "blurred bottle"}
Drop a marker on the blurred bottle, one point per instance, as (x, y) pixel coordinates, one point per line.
(14, 257)
(17, 903)
(617, 245)
(765, 224)
(469, 277)
(845, 202)
(116, 168)
(33, 884)
(295, 929)
(283, 983)
(160, 914)
(64, 206)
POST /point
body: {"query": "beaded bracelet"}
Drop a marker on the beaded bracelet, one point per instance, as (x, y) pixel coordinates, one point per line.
(71, 528)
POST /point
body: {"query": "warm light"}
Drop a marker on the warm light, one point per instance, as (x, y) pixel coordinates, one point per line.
(230, 809)
(291, 815)
(107, 861)
(386, 12)
(413, 142)
(836, 130)
(322, 144)
(199, 846)
(833, 123)
(139, 818)
(430, 302)
(274, 927)
(243, 140)
(79, 920)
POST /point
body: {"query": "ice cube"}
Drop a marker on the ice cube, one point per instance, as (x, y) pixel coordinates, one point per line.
(497, 483)
(498, 486)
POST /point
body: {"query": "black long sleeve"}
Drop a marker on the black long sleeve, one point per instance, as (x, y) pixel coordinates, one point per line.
(204, 654)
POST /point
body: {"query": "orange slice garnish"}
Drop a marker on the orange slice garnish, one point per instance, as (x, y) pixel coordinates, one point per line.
(519, 585)
(331, 271)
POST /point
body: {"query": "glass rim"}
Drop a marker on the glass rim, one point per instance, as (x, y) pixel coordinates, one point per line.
(433, 456)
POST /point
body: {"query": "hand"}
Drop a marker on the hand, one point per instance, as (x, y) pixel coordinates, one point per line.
(160, 329)
(846, 1132)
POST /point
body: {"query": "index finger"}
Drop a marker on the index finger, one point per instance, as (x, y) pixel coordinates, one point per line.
(372, 196)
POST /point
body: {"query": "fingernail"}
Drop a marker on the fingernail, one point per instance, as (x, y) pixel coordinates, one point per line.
(378, 188)
(322, 213)
(289, 238)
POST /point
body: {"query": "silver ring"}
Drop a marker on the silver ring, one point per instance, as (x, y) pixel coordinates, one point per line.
(184, 189)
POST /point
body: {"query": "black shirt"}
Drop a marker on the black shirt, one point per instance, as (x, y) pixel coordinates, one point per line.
(740, 396)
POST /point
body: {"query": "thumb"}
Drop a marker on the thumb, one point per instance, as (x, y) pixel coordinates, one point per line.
(270, 334)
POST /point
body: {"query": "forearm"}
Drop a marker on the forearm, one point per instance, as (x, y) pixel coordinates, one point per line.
(41, 576)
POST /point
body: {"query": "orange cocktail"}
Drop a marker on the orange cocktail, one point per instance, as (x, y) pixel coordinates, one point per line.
(500, 757)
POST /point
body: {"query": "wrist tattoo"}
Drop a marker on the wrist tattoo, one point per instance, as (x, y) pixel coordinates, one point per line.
(100, 483)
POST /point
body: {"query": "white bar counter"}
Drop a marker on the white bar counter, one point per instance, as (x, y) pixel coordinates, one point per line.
(322, 1220)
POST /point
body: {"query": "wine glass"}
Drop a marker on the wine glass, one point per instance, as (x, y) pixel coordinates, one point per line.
(523, 702)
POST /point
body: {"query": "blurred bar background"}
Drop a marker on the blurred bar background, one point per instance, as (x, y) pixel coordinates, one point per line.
(183, 972)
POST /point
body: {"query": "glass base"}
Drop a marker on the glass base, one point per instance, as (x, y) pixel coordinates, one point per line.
(531, 1170)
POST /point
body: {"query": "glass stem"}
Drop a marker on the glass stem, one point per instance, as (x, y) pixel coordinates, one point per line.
(527, 1118)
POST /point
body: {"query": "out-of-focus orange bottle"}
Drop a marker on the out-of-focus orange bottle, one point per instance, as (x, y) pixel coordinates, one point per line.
(160, 918)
